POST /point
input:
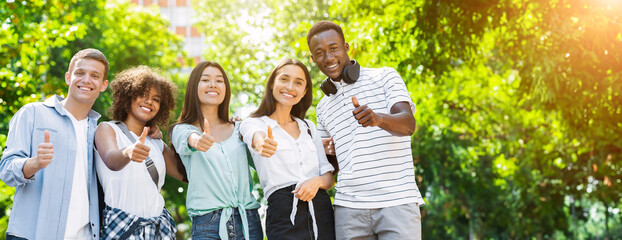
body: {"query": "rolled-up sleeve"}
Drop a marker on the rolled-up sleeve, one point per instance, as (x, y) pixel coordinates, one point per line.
(18, 148)
(179, 137)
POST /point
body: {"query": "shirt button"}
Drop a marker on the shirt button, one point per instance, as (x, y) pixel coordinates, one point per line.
(230, 234)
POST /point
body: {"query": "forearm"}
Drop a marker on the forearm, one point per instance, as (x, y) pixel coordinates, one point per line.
(171, 164)
(30, 168)
(116, 160)
(258, 139)
(326, 181)
(399, 124)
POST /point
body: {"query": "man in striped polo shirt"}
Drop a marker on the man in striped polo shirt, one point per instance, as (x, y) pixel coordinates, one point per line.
(368, 114)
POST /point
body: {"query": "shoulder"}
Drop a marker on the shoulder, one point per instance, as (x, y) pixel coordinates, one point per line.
(183, 126)
(106, 128)
(253, 120)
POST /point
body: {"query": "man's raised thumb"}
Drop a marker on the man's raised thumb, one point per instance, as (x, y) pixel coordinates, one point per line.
(355, 102)
(46, 136)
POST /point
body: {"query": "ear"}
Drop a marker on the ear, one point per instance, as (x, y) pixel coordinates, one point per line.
(347, 46)
(68, 78)
(104, 85)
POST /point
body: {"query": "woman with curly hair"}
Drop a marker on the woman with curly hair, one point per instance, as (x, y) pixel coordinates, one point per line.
(288, 153)
(219, 200)
(131, 166)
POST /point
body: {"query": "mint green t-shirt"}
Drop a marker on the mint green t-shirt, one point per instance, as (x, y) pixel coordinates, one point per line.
(218, 178)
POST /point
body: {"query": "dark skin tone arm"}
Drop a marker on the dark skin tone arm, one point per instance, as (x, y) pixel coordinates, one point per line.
(400, 122)
(115, 158)
(171, 163)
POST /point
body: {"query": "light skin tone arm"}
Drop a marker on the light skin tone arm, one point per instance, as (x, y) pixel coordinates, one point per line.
(308, 189)
(45, 152)
(115, 158)
(400, 122)
(201, 142)
(264, 143)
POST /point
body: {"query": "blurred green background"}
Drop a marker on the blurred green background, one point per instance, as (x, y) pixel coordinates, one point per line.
(519, 106)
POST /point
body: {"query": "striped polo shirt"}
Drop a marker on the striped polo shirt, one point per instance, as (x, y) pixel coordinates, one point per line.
(376, 168)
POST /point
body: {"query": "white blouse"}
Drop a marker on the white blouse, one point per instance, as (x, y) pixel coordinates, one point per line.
(131, 189)
(295, 160)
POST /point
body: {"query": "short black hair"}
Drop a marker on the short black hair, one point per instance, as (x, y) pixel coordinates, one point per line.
(323, 26)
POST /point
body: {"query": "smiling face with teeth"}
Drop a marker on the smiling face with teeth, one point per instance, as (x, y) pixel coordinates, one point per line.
(86, 80)
(211, 88)
(289, 86)
(330, 53)
(145, 106)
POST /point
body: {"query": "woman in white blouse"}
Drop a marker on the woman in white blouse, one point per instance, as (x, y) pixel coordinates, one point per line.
(290, 160)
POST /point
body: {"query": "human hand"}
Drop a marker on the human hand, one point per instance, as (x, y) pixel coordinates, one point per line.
(203, 142)
(329, 146)
(365, 115)
(45, 152)
(138, 151)
(235, 118)
(308, 189)
(155, 133)
(268, 146)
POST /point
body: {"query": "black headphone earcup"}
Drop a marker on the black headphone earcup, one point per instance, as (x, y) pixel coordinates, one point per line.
(328, 87)
(351, 73)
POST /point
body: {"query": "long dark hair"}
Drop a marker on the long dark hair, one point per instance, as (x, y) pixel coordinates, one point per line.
(191, 112)
(268, 103)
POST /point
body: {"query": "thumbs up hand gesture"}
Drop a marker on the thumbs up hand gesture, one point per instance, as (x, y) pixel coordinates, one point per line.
(267, 147)
(365, 115)
(138, 151)
(203, 142)
(45, 152)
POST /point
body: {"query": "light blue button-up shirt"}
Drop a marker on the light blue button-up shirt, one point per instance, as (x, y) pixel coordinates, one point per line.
(41, 203)
(218, 178)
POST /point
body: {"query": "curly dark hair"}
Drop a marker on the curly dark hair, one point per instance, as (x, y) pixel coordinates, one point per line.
(132, 82)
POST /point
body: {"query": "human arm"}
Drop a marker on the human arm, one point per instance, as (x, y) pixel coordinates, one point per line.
(256, 138)
(171, 163)
(115, 158)
(202, 142)
(308, 189)
(22, 136)
(400, 121)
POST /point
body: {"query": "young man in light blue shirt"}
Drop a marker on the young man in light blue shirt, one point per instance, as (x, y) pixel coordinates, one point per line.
(49, 158)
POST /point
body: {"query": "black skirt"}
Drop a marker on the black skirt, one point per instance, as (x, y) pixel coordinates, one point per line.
(279, 226)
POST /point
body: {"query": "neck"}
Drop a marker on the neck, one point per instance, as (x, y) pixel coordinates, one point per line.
(134, 125)
(282, 114)
(79, 111)
(210, 113)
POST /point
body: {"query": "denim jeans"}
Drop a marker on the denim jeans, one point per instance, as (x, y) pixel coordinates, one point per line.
(11, 237)
(206, 226)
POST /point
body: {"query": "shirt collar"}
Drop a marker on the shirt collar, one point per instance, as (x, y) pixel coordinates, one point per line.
(55, 102)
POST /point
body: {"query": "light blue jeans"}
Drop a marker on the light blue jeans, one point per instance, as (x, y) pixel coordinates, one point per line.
(206, 226)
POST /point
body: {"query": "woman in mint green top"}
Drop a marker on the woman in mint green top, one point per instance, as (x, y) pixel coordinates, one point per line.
(219, 199)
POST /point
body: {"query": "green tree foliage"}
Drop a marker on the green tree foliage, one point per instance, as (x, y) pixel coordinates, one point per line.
(38, 39)
(519, 108)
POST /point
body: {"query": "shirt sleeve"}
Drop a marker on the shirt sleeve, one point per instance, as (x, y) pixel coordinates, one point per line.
(321, 130)
(179, 138)
(248, 128)
(18, 148)
(395, 90)
(324, 165)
